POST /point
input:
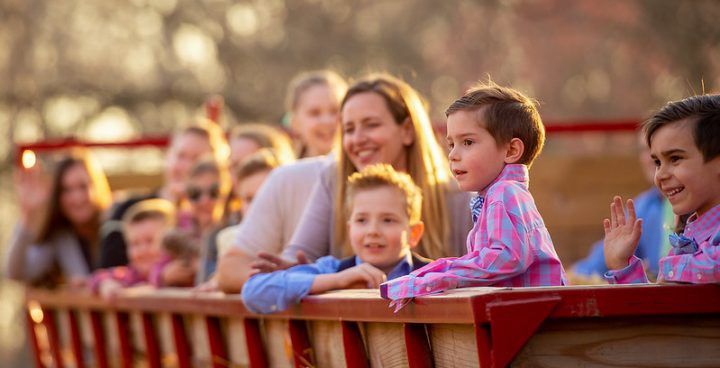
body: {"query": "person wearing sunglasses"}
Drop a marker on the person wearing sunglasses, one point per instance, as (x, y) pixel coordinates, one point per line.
(206, 191)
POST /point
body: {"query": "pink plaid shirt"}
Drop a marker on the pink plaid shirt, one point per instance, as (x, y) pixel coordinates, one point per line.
(509, 245)
(697, 262)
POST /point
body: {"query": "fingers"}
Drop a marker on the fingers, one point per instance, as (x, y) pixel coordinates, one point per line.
(631, 211)
(619, 211)
(606, 226)
(302, 258)
(263, 266)
(373, 276)
(269, 257)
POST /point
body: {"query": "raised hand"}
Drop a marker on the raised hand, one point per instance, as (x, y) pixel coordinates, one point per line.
(269, 262)
(622, 234)
(32, 189)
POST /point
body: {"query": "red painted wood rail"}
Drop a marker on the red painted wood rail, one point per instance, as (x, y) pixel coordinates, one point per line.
(644, 325)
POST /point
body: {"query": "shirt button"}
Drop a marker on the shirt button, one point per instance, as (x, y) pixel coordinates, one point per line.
(699, 276)
(273, 307)
(671, 274)
(428, 289)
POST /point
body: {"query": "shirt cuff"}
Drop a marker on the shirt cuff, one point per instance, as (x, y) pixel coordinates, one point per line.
(634, 273)
(383, 291)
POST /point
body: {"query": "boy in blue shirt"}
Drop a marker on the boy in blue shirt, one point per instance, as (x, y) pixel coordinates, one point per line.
(384, 211)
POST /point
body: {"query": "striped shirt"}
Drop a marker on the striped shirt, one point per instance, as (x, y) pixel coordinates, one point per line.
(509, 245)
(693, 258)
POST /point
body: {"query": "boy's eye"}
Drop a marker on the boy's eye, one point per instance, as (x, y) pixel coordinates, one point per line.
(450, 145)
(675, 158)
(468, 142)
(389, 220)
(656, 162)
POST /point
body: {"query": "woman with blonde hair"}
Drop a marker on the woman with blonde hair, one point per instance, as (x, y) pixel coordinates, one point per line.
(383, 120)
(57, 236)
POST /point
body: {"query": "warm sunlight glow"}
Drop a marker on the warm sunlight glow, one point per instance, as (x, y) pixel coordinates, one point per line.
(28, 159)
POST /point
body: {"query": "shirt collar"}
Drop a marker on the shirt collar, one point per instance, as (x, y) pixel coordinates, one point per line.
(511, 172)
(402, 268)
(701, 228)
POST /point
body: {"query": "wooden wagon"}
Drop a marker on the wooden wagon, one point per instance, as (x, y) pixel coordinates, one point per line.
(594, 326)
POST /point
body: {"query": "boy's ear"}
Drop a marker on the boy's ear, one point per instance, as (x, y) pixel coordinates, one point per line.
(515, 150)
(416, 232)
(408, 132)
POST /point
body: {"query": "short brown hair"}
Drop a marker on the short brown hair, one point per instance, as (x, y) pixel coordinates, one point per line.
(383, 175)
(703, 111)
(507, 114)
(260, 161)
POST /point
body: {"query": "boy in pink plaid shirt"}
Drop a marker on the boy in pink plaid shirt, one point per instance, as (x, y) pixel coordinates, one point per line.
(494, 133)
(684, 141)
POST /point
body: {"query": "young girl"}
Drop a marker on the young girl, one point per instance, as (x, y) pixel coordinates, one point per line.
(684, 141)
(312, 104)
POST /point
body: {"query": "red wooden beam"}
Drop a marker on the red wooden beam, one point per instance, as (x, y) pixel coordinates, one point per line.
(98, 332)
(151, 342)
(353, 345)
(253, 338)
(182, 347)
(217, 344)
(122, 321)
(53, 337)
(302, 349)
(75, 340)
(417, 344)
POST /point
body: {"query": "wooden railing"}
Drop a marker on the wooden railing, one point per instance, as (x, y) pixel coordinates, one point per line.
(647, 325)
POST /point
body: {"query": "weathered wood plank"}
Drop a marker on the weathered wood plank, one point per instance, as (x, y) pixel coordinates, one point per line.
(454, 345)
(625, 342)
(386, 344)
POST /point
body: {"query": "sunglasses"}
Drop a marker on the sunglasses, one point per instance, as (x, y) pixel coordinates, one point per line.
(195, 193)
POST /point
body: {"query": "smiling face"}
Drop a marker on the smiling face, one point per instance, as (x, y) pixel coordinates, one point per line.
(682, 175)
(77, 195)
(380, 233)
(475, 157)
(315, 119)
(371, 135)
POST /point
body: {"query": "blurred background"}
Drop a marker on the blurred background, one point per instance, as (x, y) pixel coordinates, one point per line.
(116, 70)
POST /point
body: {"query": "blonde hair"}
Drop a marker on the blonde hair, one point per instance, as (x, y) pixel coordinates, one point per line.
(303, 81)
(266, 136)
(156, 208)
(384, 176)
(427, 164)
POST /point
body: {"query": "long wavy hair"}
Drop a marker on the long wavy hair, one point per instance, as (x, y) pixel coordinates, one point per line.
(427, 164)
(102, 196)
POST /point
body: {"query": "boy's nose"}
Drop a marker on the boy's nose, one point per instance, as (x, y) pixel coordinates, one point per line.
(452, 155)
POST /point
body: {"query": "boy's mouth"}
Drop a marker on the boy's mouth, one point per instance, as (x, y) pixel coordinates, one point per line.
(374, 246)
(674, 191)
(459, 172)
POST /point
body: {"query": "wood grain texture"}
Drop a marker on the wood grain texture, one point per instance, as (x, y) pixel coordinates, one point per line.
(326, 340)
(386, 344)
(454, 345)
(236, 343)
(276, 339)
(625, 342)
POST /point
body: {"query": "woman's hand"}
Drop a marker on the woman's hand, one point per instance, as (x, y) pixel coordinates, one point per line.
(621, 234)
(270, 262)
(32, 189)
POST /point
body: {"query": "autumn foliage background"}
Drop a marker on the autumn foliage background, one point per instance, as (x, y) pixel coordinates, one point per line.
(115, 70)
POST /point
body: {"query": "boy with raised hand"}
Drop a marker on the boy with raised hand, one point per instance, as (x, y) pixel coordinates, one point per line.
(684, 141)
(384, 226)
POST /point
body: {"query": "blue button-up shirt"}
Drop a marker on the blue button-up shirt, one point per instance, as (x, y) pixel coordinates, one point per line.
(277, 291)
